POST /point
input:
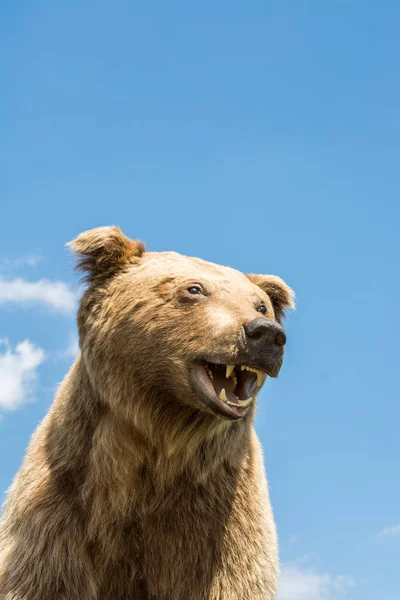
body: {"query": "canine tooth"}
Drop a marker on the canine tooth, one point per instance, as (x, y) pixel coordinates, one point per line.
(245, 403)
(222, 395)
(241, 403)
(229, 369)
(260, 378)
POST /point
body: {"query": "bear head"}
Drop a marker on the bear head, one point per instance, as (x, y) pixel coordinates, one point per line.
(161, 331)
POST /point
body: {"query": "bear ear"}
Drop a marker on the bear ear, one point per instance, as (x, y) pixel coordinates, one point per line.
(104, 250)
(281, 295)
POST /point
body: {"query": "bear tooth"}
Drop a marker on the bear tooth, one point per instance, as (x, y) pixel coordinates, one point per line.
(245, 403)
(222, 395)
(209, 372)
(260, 378)
(229, 369)
(241, 403)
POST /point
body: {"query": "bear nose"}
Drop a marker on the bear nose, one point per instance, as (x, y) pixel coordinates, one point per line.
(266, 330)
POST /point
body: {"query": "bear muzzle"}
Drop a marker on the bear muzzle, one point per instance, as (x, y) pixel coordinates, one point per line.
(229, 387)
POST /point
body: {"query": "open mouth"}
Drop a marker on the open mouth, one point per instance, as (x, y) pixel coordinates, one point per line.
(228, 389)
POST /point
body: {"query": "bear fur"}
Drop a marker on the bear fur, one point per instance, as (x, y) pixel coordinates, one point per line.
(132, 488)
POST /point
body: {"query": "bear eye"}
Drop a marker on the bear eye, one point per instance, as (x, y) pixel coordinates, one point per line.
(194, 289)
(262, 309)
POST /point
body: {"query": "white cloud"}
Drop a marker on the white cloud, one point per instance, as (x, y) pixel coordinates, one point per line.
(55, 294)
(30, 260)
(18, 373)
(72, 350)
(390, 531)
(299, 583)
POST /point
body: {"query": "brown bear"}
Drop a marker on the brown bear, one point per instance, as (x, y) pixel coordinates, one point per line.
(145, 481)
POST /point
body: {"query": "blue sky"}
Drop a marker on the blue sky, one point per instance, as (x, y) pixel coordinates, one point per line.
(261, 135)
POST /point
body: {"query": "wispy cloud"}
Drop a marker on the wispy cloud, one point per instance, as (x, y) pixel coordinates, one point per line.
(72, 350)
(55, 294)
(390, 531)
(301, 583)
(30, 260)
(18, 373)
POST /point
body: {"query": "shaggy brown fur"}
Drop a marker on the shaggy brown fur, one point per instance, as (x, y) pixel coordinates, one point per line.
(131, 488)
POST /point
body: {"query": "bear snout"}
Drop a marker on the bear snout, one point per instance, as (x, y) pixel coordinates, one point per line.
(265, 340)
(269, 333)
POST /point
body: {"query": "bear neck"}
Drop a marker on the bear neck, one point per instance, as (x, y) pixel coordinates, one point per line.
(100, 453)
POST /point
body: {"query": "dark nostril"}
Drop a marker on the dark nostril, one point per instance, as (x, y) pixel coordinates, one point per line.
(267, 329)
(280, 338)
